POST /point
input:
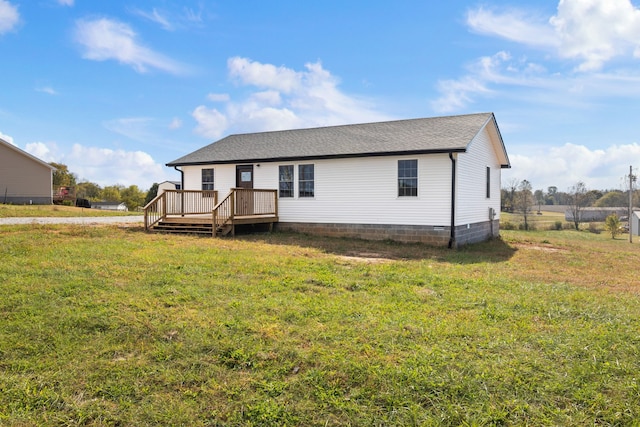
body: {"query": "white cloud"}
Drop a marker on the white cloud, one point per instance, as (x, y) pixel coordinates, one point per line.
(66, 2)
(9, 16)
(502, 77)
(284, 99)
(42, 151)
(597, 31)
(565, 165)
(457, 94)
(513, 25)
(156, 16)
(499, 69)
(193, 15)
(590, 31)
(253, 73)
(218, 97)
(7, 138)
(103, 166)
(104, 39)
(47, 89)
(211, 122)
(176, 123)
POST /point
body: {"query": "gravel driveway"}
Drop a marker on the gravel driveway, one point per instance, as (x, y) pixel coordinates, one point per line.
(74, 220)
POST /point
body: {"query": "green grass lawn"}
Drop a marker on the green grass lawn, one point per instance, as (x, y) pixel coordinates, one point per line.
(113, 326)
(543, 220)
(8, 211)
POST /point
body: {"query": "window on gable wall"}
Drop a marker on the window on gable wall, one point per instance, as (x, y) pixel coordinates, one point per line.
(488, 182)
(207, 181)
(285, 178)
(407, 178)
(306, 186)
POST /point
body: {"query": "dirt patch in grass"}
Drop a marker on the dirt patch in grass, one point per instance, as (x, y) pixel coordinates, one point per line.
(367, 257)
(539, 247)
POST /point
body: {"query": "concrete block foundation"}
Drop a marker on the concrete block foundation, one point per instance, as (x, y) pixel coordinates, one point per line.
(427, 234)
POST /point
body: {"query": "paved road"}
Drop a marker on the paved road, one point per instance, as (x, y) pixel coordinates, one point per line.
(74, 220)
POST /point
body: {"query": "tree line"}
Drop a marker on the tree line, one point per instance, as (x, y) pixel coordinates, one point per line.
(132, 196)
(594, 198)
(519, 197)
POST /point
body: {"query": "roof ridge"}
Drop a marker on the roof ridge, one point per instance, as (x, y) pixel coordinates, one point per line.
(356, 124)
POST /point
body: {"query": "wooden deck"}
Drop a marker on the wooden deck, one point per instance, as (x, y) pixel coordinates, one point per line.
(177, 211)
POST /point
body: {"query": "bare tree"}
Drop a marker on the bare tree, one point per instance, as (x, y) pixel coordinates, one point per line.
(578, 200)
(524, 201)
(509, 195)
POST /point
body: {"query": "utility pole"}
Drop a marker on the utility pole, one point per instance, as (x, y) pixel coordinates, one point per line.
(632, 179)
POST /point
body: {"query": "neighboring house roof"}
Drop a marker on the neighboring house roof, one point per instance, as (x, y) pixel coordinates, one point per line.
(413, 136)
(25, 154)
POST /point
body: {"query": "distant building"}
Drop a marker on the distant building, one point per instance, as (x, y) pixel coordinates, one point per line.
(634, 223)
(109, 206)
(168, 185)
(24, 179)
(596, 214)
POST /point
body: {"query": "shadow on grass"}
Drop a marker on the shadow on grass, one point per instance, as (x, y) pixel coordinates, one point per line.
(493, 251)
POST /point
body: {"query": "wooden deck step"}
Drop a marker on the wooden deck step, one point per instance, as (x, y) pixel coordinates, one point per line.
(183, 228)
(203, 224)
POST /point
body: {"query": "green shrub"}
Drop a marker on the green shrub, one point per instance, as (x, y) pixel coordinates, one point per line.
(613, 225)
(531, 226)
(507, 225)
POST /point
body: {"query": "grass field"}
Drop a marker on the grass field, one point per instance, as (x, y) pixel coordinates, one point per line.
(544, 220)
(113, 326)
(8, 211)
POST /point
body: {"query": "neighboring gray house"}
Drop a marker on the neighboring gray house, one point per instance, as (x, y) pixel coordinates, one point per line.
(24, 179)
(433, 180)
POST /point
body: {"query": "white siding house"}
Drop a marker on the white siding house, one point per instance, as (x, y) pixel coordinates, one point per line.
(433, 180)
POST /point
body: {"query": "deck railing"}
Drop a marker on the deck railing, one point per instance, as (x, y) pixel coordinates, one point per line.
(256, 202)
(243, 202)
(179, 203)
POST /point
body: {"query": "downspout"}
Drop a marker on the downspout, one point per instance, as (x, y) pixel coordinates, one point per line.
(452, 237)
(181, 189)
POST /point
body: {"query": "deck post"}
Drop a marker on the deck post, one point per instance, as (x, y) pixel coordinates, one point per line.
(163, 215)
(232, 214)
(214, 227)
(275, 199)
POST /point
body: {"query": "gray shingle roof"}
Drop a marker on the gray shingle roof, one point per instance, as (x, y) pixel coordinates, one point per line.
(428, 135)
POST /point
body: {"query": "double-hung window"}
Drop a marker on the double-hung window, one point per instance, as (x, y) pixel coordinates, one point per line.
(285, 174)
(306, 187)
(407, 178)
(207, 179)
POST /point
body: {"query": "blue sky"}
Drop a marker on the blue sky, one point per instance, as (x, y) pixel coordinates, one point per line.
(116, 89)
